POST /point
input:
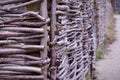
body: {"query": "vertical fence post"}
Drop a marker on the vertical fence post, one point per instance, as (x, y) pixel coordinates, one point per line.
(44, 13)
(95, 39)
(52, 37)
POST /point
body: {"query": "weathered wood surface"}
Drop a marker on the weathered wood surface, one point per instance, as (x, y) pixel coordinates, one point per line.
(57, 41)
(23, 40)
(78, 35)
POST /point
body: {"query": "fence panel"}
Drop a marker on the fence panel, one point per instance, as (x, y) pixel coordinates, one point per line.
(23, 40)
(62, 47)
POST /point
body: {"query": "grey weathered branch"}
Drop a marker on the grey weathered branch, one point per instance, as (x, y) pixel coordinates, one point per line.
(7, 72)
(8, 26)
(26, 37)
(41, 62)
(28, 41)
(22, 68)
(36, 14)
(17, 20)
(12, 34)
(3, 42)
(63, 7)
(15, 51)
(10, 2)
(31, 24)
(25, 56)
(26, 77)
(7, 42)
(3, 60)
(23, 46)
(23, 29)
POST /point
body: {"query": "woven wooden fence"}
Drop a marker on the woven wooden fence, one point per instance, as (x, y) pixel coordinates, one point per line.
(49, 39)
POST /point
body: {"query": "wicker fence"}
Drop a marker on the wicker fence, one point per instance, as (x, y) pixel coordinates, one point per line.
(55, 40)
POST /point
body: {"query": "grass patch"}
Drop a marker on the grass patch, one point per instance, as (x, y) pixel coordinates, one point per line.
(87, 76)
(100, 51)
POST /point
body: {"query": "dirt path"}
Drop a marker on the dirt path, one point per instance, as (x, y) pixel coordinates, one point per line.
(109, 67)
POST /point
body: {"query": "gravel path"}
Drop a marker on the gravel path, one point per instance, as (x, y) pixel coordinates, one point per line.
(109, 67)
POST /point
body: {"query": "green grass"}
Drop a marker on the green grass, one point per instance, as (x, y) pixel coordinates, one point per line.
(87, 76)
(100, 51)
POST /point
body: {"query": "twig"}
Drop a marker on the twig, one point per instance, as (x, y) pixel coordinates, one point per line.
(11, 2)
(4, 34)
(22, 46)
(17, 20)
(22, 68)
(32, 24)
(63, 7)
(23, 29)
(26, 37)
(25, 56)
(15, 51)
(7, 72)
(18, 77)
(35, 14)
